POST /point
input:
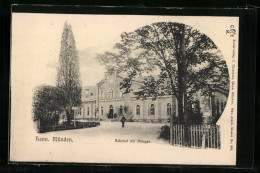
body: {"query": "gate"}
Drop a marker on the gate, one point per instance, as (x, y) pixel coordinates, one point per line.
(196, 136)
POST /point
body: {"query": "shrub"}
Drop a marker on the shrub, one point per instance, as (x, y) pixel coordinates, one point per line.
(48, 103)
(165, 132)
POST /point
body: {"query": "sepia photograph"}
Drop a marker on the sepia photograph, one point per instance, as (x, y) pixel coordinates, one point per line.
(124, 89)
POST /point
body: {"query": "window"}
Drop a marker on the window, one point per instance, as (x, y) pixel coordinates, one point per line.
(101, 94)
(217, 108)
(137, 110)
(126, 109)
(120, 94)
(111, 94)
(169, 109)
(222, 106)
(121, 110)
(88, 111)
(91, 94)
(152, 109)
(102, 110)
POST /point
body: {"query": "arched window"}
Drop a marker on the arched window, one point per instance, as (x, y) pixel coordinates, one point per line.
(152, 109)
(217, 108)
(88, 111)
(120, 94)
(121, 110)
(102, 110)
(169, 109)
(137, 110)
(222, 106)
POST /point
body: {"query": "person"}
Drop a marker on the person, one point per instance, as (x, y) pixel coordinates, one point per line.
(123, 120)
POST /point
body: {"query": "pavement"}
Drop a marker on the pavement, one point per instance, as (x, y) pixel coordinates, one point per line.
(108, 131)
(137, 143)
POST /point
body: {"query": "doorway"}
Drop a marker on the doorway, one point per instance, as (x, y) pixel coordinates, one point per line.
(111, 112)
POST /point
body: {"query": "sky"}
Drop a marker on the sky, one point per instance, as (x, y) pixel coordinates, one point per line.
(36, 40)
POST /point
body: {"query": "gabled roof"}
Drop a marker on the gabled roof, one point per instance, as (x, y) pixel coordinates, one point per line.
(92, 89)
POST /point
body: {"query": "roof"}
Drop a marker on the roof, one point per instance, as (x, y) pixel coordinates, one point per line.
(91, 89)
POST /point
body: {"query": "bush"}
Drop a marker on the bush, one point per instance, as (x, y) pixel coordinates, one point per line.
(48, 103)
(165, 132)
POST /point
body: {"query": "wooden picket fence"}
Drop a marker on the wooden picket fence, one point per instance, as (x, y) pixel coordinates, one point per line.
(196, 136)
(178, 134)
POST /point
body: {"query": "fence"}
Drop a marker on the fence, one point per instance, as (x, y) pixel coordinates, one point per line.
(178, 134)
(196, 136)
(87, 119)
(77, 125)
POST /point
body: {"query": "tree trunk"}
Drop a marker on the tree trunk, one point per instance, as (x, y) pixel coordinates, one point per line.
(39, 126)
(69, 111)
(185, 104)
(184, 88)
(180, 97)
(180, 109)
(184, 74)
(173, 113)
(68, 114)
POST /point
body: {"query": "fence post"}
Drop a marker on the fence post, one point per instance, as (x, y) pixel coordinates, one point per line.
(182, 135)
(203, 140)
(193, 136)
(214, 136)
(176, 139)
(171, 133)
(177, 131)
(210, 137)
(219, 143)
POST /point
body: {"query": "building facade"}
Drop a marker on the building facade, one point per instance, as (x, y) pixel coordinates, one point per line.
(106, 101)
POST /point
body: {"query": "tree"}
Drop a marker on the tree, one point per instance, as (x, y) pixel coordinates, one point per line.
(68, 77)
(48, 103)
(185, 58)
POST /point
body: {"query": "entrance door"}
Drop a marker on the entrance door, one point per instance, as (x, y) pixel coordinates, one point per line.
(111, 112)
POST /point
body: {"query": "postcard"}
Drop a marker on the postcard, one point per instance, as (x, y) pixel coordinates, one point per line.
(124, 89)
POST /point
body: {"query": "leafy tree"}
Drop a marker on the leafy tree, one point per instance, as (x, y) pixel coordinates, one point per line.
(186, 60)
(48, 103)
(68, 77)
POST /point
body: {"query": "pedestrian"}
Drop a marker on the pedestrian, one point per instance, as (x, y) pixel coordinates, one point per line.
(123, 120)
